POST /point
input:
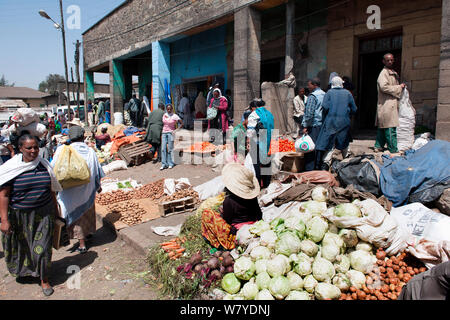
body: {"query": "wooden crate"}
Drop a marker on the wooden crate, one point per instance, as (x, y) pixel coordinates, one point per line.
(134, 153)
(176, 206)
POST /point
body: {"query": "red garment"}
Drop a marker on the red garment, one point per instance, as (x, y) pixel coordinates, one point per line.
(240, 225)
(223, 106)
(51, 124)
(104, 137)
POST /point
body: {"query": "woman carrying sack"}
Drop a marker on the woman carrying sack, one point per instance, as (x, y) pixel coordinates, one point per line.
(28, 210)
(78, 203)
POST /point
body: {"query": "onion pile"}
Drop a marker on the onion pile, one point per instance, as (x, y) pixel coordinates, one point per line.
(130, 212)
(211, 270)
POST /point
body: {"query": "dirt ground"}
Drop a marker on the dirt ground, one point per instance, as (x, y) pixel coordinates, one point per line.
(110, 270)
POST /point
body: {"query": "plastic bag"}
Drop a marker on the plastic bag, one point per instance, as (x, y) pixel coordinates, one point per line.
(407, 122)
(71, 169)
(248, 163)
(35, 129)
(25, 116)
(423, 223)
(422, 140)
(376, 226)
(115, 166)
(167, 231)
(210, 189)
(172, 185)
(305, 144)
(361, 172)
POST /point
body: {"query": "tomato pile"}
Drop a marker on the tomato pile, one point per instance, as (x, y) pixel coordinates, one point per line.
(202, 147)
(281, 145)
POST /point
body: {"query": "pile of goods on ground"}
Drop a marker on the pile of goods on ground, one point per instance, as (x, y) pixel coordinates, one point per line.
(174, 248)
(154, 191)
(202, 147)
(114, 196)
(180, 194)
(303, 256)
(281, 145)
(209, 270)
(130, 212)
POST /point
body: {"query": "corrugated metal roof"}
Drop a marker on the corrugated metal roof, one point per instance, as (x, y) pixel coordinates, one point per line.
(21, 93)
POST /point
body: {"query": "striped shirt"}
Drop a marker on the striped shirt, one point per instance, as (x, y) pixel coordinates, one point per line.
(31, 189)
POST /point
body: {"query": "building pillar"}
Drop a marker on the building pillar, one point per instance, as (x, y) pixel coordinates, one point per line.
(247, 58)
(89, 92)
(160, 71)
(120, 86)
(443, 107)
(290, 49)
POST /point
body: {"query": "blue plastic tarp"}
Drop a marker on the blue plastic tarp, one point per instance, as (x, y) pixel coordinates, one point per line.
(130, 131)
(419, 176)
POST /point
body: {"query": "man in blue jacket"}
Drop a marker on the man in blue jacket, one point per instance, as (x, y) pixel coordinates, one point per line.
(312, 121)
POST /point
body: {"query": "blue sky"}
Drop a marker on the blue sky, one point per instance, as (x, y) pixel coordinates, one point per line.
(31, 47)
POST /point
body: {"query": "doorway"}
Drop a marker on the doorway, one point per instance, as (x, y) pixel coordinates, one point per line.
(272, 70)
(371, 52)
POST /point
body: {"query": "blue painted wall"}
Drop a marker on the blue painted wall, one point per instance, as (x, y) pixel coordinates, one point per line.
(160, 70)
(199, 55)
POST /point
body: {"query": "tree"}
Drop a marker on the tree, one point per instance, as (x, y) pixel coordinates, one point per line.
(4, 82)
(50, 85)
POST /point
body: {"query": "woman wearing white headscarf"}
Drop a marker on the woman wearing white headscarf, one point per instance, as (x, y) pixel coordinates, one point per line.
(338, 107)
(221, 120)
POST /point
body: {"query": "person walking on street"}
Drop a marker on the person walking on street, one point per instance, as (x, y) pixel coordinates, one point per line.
(389, 93)
(101, 112)
(154, 131)
(210, 94)
(338, 107)
(312, 121)
(299, 108)
(28, 210)
(169, 119)
(78, 203)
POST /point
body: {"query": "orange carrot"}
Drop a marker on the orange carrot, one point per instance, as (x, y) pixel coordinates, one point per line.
(181, 250)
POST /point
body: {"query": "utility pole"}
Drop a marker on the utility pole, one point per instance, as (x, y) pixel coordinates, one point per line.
(65, 57)
(77, 69)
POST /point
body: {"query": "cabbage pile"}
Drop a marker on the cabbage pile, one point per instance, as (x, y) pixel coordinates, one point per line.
(302, 256)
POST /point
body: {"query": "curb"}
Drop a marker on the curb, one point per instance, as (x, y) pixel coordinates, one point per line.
(134, 240)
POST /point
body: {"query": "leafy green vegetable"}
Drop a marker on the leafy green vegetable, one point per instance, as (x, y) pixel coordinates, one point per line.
(230, 283)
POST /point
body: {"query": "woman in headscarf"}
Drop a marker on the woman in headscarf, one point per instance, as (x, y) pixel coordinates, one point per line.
(239, 208)
(338, 107)
(221, 120)
(78, 203)
(28, 210)
(200, 106)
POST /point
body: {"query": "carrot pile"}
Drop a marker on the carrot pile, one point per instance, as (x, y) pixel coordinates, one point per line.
(204, 146)
(173, 247)
(281, 145)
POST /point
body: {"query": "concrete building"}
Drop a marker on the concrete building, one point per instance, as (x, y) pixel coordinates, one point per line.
(185, 46)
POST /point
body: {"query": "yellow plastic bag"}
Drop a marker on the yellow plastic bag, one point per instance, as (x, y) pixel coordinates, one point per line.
(71, 169)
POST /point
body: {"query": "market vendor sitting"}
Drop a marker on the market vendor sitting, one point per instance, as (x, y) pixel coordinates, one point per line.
(102, 139)
(239, 208)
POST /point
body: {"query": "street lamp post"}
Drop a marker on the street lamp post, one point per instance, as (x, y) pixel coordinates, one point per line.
(60, 26)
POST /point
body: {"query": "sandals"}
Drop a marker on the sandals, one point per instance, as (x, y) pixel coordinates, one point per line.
(82, 250)
(48, 291)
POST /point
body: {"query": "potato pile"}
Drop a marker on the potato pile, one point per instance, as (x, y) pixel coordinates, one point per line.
(112, 197)
(130, 212)
(154, 191)
(180, 194)
(387, 279)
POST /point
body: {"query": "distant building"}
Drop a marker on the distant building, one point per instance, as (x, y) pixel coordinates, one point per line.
(31, 97)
